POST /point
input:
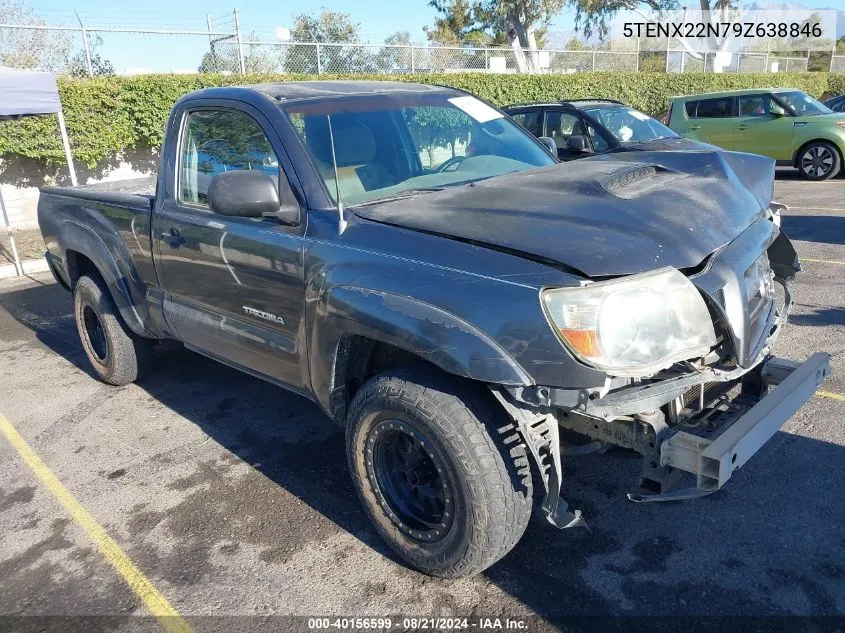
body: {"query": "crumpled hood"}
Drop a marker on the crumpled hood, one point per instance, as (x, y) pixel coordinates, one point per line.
(605, 216)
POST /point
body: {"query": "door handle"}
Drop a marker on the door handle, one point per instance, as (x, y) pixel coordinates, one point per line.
(173, 238)
(742, 127)
(695, 127)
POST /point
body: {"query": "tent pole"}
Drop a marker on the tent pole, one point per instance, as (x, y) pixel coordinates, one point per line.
(66, 143)
(8, 224)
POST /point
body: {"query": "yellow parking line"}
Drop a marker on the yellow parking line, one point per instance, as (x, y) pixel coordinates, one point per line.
(831, 395)
(157, 604)
(822, 261)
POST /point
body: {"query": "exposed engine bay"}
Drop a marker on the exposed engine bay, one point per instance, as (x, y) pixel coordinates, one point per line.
(703, 416)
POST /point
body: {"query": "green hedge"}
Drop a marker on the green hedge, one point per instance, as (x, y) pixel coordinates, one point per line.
(106, 116)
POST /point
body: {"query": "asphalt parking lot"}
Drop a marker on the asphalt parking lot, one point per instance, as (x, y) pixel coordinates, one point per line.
(231, 497)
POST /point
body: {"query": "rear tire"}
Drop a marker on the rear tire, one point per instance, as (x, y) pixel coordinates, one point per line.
(819, 160)
(439, 469)
(118, 355)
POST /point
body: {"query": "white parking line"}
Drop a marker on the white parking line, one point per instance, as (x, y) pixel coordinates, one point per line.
(791, 207)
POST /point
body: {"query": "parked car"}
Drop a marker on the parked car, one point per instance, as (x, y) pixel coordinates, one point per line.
(787, 125)
(837, 104)
(453, 313)
(585, 127)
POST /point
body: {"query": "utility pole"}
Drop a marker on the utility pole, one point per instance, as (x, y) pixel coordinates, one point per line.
(240, 42)
(85, 43)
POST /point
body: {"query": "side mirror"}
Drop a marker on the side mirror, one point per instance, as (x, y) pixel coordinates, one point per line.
(576, 143)
(251, 194)
(549, 144)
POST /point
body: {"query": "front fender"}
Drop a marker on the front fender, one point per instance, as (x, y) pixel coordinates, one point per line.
(115, 266)
(437, 336)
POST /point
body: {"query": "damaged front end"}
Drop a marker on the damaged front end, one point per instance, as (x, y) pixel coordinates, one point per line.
(705, 415)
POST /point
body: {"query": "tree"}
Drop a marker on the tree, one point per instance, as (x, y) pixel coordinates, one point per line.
(522, 19)
(461, 23)
(223, 57)
(593, 16)
(327, 27)
(30, 48)
(519, 23)
(78, 66)
(396, 54)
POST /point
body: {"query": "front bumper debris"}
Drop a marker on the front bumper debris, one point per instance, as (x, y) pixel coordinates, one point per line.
(710, 444)
(714, 459)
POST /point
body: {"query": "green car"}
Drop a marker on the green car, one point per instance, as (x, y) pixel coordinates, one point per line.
(782, 123)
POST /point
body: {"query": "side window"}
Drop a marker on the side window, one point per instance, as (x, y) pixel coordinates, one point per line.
(712, 109)
(759, 105)
(561, 125)
(530, 120)
(214, 141)
(599, 144)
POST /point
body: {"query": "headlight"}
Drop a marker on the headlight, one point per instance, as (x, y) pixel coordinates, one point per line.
(635, 325)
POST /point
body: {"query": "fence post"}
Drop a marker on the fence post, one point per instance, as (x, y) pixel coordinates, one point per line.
(486, 59)
(638, 54)
(594, 57)
(413, 63)
(85, 44)
(319, 61)
(240, 42)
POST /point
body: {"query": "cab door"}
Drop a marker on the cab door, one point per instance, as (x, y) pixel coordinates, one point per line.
(233, 286)
(711, 121)
(763, 127)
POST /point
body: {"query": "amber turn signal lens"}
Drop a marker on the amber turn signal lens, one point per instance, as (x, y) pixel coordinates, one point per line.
(582, 341)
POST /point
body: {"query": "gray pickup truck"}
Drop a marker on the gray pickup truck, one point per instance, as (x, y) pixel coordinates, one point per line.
(469, 309)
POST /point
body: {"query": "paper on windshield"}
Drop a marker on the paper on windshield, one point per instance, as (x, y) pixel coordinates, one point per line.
(638, 115)
(478, 110)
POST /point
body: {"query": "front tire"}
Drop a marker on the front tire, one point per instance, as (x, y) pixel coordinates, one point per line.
(118, 355)
(819, 161)
(432, 467)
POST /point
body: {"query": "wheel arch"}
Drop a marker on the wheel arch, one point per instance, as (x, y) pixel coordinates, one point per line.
(84, 251)
(357, 333)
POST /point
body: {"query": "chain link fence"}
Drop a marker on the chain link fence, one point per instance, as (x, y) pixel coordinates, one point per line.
(97, 51)
(682, 61)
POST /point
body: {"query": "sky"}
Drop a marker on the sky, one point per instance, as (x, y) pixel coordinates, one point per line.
(377, 19)
(138, 53)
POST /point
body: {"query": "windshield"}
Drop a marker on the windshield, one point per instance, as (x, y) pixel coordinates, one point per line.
(389, 145)
(629, 125)
(802, 103)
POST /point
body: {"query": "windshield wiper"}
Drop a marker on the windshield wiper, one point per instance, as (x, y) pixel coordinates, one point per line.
(405, 193)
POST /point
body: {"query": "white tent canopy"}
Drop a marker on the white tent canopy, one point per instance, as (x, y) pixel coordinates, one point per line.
(24, 93)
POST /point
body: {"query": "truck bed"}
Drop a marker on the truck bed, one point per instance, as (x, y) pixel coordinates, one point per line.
(133, 192)
(111, 215)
